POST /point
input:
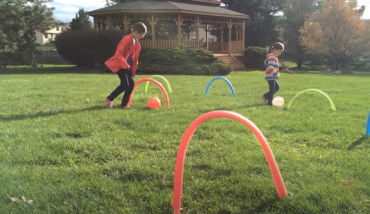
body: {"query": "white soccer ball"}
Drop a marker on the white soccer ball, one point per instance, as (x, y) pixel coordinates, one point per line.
(278, 102)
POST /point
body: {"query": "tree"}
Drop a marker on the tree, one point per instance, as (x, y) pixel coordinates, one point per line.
(261, 27)
(82, 21)
(19, 20)
(294, 13)
(337, 32)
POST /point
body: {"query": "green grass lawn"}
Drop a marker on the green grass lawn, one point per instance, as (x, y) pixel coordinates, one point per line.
(60, 147)
(49, 46)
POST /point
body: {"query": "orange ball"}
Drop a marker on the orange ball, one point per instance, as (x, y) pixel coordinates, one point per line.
(154, 103)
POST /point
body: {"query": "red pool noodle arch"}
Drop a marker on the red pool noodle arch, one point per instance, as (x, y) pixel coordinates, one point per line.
(155, 82)
(279, 183)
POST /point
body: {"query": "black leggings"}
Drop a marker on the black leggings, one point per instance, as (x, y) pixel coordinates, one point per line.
(127, 85)
(273, 88)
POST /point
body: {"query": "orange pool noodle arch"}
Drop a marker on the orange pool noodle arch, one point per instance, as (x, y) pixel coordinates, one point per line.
(155, 82)
(279, 183)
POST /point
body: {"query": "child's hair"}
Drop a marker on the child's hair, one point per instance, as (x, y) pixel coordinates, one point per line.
(138, 27)
(276, 46)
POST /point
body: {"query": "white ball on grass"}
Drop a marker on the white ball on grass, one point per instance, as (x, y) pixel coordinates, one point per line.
(278, 102)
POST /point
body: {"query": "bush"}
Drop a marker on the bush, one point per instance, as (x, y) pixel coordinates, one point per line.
(254, 57)
(181, 60)
(362, 62)
(89, 48)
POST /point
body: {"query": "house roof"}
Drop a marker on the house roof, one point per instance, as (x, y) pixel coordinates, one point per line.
(65, 26)
(170, 6)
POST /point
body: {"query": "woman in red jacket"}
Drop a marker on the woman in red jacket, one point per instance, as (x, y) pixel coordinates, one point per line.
(124, 63)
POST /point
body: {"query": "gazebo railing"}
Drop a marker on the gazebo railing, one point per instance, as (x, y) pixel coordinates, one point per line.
(237, 47)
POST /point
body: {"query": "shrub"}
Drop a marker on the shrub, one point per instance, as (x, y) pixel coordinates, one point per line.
(362, 62)
(89, 48)
(254, 57)
(181, 60)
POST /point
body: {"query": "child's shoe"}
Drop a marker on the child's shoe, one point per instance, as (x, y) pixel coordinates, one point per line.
(108, 103)
(264, 99)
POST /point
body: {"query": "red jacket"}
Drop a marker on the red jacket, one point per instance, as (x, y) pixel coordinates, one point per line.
(124, 49)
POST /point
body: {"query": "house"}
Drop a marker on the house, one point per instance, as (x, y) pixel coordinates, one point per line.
(203, 35)
(49, 35)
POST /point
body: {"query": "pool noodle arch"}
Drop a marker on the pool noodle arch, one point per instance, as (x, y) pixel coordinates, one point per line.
(330, 101)
(279, 183)
(226, 80)
(167, 83)
(155, 82)
(368, 126)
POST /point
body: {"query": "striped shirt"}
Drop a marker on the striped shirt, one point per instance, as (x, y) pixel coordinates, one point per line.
(272, 70)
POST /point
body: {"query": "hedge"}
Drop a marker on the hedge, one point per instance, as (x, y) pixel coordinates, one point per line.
(90, 48)
(254, 57)
(181, 60)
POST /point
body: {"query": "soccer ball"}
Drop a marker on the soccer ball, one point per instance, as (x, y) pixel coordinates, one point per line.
(154, 103)
(278, 102)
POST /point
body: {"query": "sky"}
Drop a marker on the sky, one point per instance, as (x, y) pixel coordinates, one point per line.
(65, 10)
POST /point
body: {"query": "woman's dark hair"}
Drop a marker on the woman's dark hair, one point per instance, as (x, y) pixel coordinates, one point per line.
(276, 46)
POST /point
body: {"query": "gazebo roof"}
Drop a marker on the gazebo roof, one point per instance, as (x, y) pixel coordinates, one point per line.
(199, 7)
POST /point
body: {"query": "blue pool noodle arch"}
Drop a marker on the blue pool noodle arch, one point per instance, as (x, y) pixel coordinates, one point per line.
(368, 126)
(226, 80)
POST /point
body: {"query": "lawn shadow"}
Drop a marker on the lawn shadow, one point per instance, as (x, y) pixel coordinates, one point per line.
(264, 205)
(146, 108)
(47, 113)
(357, 142)
(53, 70)
(256, 105)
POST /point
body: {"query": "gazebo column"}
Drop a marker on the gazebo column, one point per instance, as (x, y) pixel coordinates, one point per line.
(95, 23)
(230, 25)
(237, 33)
(125, 22)
(179, 24)
(153, 21)
(222, 39)
(197, 23)
(243, 35)
(109, 24)
(206, 30)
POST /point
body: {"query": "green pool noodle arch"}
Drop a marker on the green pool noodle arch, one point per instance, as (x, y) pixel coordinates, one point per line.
(330, 101)
(167, 83)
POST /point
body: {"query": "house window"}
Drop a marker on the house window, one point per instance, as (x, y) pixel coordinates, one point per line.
(46, 35)
(211, 39)
(58, 28)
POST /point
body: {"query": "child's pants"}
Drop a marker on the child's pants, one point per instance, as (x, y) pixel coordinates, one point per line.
(127, 85)
(273, 88)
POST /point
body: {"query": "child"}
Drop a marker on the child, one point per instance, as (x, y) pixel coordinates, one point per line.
(272, 71)
(124, 63)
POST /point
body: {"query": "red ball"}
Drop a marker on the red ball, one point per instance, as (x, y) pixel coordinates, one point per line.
(154, 103)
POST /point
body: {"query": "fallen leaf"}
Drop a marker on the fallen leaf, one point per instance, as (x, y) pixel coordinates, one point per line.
(75, 205)
(347, 182)
(13, 199)
(23, 199)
